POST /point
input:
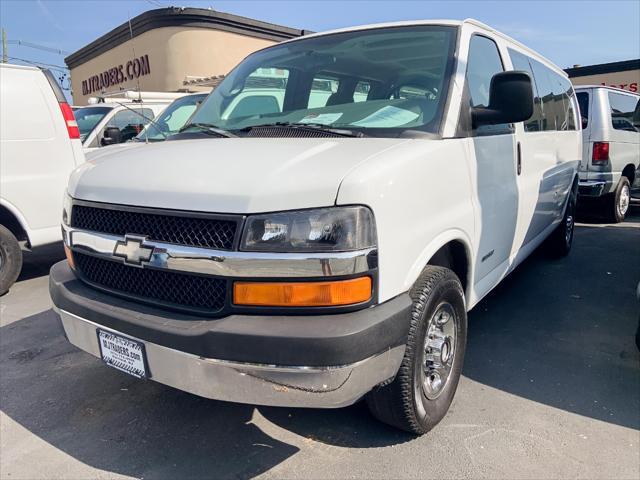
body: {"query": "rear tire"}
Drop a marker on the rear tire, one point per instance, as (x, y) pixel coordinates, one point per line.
(560, 241)
(618, 202)
(10, 259)
(423, 389)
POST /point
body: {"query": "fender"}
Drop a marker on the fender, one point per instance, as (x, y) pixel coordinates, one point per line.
(436, 244)
(18, 216)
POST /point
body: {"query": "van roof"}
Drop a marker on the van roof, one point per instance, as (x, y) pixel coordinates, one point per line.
(454, 23)
(19, 67)
(607, 87)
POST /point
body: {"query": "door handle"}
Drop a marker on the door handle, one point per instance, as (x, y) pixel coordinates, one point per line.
(518, 159)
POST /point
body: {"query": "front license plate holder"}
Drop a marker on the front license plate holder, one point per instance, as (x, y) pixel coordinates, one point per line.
(123, 353)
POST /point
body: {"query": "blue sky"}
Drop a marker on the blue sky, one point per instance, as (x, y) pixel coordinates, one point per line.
(567, 32)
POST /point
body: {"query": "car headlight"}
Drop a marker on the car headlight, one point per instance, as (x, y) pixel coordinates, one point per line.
(317, 230)
(67, 202)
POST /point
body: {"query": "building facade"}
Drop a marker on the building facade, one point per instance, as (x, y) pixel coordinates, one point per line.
(169, 50)
(624, 75)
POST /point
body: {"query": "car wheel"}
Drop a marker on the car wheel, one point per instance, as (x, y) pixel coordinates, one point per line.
(560, 241)
(10, 259)
(422, 391)
(619, 201)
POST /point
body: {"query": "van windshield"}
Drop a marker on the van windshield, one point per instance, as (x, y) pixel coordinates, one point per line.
(381, 82)
(88, 118)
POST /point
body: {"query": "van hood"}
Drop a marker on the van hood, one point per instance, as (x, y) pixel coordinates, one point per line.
(225, 175)
(97, 153)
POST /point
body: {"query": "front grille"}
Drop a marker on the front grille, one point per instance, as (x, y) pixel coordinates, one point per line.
(169, 289)
(177, 228)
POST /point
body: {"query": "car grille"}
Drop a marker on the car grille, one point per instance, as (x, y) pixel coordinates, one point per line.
(176, 227)
(168, 289)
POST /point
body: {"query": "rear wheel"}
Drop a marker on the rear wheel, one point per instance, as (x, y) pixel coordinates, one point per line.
(560, 241)
(618, 202)
(420, 395)
(10, 259)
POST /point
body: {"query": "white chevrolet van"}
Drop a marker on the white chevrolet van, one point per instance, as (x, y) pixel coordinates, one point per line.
(611, 148)
(39, 148)
(318, 254)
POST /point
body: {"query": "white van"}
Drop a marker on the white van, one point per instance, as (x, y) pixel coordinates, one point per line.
(113, 120)
(39, 147)
(611, 148)
(317, 254)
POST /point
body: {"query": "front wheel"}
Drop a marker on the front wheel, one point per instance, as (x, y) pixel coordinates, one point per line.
(420, 395)
(10, 259)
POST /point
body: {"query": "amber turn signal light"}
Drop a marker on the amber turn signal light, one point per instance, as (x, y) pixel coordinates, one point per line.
(302, 294)
(69, 254)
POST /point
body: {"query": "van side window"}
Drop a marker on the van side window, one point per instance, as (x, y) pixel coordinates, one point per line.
(483, 63)
(521, 62)
(625, 112)
(583, 103)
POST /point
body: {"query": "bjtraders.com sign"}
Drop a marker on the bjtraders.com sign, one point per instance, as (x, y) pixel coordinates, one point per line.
(114, 76)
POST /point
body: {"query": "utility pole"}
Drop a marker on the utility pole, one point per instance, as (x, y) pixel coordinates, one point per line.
(5, 54)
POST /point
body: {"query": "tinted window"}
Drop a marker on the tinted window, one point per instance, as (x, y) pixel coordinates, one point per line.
(347, 79)
(131, 122)
(483, 63)
(544, 82)
(583, 102)
(564, 103)
(521, 62)
(624, 112)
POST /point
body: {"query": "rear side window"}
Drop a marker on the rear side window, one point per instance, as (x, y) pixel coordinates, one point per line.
(624, 112)
(554, 103)
(131, 122)
(483, 63)
(583, 103)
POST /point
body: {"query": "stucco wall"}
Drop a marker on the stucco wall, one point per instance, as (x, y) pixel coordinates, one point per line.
(173, 53)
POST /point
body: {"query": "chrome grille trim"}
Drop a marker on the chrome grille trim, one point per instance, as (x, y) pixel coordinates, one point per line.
(224, 263)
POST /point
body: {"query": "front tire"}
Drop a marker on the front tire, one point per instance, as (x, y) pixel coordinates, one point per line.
(618, 202)
(423, 389)
(10, 259)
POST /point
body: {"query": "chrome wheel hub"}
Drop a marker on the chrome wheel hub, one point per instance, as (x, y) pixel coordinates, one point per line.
(623, 202)
(439, 351)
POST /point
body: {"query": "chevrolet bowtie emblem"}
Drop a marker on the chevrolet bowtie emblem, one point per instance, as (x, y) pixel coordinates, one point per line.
(132, 250)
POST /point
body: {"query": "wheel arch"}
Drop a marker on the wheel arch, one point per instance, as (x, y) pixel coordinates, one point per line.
(629, 171)
(451, 249)
(11, 218)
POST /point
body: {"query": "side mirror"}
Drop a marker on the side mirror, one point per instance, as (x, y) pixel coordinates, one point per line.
(111, 136)
(510, 100)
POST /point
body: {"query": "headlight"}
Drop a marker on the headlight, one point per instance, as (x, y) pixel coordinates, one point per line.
(333, 229)
(66, 208)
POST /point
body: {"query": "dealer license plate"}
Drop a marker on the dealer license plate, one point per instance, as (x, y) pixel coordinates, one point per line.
(123, 353)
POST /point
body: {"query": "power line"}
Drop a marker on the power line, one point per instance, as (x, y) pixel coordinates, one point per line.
(48, 65)
(37, 46)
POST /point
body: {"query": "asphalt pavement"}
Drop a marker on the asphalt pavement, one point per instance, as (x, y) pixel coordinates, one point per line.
(550, 389)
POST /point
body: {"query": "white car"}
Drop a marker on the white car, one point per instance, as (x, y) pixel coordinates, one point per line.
(313, 255)
(611, 149)
(39, 147)
(114, 120)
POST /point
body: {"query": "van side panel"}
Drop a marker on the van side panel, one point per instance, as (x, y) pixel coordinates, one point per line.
(36, 156)
(420, 194)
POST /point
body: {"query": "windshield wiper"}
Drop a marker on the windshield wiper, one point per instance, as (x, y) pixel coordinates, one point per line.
(208, 128)
(343, 132)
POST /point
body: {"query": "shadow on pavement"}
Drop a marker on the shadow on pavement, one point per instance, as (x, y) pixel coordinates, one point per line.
(116, 423)
(38, 262)
(562, 332)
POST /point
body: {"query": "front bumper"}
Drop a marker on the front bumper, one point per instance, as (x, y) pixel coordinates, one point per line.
(319, 361)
